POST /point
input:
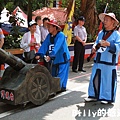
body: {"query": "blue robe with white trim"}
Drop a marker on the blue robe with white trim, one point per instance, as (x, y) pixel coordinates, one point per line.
(103, 81)
(60, 52)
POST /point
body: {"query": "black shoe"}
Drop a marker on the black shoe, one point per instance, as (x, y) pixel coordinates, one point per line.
(52, 95)
(75, 71)
(62, 90)
(82, 70)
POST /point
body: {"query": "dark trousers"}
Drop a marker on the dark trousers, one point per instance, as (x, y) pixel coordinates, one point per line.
(79, 51)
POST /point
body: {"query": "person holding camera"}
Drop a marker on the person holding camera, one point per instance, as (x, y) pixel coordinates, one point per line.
(30, 42)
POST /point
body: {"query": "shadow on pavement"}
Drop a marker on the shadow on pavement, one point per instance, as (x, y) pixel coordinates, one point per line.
(93, 111)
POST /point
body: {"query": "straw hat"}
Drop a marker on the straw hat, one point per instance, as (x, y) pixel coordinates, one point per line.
(54, 22)
(112, 15)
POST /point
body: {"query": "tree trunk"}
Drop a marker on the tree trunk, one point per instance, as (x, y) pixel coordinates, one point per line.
(83, 5)
(29, 11)
(88, 8)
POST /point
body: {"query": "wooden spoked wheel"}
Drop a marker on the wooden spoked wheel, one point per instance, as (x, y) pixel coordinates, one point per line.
(38, 88)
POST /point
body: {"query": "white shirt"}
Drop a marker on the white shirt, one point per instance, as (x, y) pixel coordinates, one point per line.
(38, 31)
(26, 41)
(44, 32)
(80, 31)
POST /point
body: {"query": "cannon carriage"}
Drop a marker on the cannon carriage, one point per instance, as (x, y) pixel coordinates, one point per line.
(22, 82)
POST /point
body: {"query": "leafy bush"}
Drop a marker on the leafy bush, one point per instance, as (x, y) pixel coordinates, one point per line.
(13, 39)
(91, 38)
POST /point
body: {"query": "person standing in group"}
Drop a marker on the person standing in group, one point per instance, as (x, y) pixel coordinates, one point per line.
(59, 55)
(30, 41)
(44, 29)
(1, 44)
(103, 81)
(44, 33)
(39, 22)
(79, 45)
(119, 29)
(1, 38)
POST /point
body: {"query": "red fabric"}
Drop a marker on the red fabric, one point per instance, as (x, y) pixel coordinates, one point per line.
(5, 32)
(32, 41)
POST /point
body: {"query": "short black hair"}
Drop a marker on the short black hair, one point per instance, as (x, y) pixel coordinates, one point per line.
(37, 18)
(45, 19)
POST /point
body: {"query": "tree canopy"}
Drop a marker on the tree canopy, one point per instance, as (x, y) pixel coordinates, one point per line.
(90, 9)
(99, 5)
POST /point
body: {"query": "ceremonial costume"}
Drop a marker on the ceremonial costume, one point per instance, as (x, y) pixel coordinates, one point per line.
(103, 81)
(58, 51)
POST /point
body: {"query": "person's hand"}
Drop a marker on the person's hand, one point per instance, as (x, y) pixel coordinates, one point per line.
(93, 50)
(37, 57)
(47, 58)
(83, 43)
(37, 45)
(104, 43)
(32, 44)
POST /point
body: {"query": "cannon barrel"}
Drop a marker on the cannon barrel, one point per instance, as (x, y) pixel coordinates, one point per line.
(13, 61)
(22, 82)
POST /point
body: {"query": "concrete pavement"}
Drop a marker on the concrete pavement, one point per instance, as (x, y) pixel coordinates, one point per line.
(70, 105)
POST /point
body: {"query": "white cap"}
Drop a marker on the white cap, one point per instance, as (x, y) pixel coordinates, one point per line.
(32, 23)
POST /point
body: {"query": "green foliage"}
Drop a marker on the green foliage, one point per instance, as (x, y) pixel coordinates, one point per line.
(2, 4)
(13, 39)
(12, 4)
(64, 3)
(77, 9)
(91, 38)
(113, 6)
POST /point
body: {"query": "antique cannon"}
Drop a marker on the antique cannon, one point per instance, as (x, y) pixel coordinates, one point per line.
(22, 82)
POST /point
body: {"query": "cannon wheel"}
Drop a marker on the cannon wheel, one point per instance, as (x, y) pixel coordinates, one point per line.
(38, 88)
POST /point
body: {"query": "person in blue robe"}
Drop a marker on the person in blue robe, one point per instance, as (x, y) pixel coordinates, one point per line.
(55, 51)
(103, 81)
